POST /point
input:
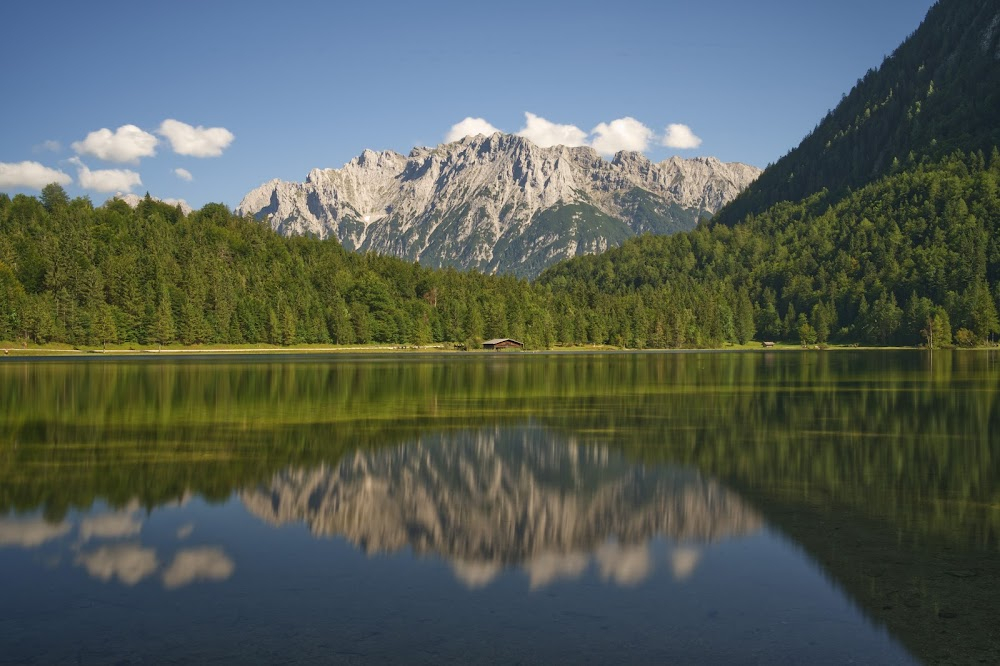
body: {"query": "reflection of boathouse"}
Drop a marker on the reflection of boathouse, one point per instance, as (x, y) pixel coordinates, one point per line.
(499, 344)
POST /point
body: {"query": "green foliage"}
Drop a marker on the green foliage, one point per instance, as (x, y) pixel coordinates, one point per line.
(871, 268)
(965, 338)
(807, 334)
(75, 274)
(54, 197)
(939, 92)
(874, 268)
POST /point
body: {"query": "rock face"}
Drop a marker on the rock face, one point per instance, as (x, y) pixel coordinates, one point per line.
(496, 203)
(491, 500)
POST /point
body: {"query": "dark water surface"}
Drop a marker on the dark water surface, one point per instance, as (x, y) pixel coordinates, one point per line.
(755, 508)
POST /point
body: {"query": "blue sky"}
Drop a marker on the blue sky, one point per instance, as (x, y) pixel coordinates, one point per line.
(203, 101)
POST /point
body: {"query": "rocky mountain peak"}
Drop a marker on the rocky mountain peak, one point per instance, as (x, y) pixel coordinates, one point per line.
(496, 203)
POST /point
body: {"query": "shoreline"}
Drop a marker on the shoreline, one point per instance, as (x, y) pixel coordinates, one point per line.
(12, 352)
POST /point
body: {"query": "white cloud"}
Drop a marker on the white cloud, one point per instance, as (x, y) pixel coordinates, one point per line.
(545, 133)
(195, 141)
(469, 127)
(106, 180)
(606, 138)
(50, 146)
(31, 175)
(29, 533)
(198, 564)
(183, 174)
(680, 137)
(185, 206)
(128, 562)
(622, 134)
(128, 143)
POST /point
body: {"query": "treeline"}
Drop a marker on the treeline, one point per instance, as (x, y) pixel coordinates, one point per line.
(911, 259)
(73, 273)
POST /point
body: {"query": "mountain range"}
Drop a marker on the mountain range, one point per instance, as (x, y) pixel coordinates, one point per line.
(497, 204)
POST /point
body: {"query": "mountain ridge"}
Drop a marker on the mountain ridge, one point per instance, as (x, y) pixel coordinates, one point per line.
(496, 203)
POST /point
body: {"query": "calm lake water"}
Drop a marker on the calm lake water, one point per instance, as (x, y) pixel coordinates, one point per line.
(753, 508)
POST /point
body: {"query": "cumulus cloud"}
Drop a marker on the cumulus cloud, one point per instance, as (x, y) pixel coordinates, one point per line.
(50, 146)
(129, 563)
(29, 533)
(198, 564)
(469, 127)
(545, 133)
(606, 138)
(128, 143)
(31, 175)
(183, 174)
(185, 206)
(680, 137)
(195, 141)
(106, 180)
(622, 134)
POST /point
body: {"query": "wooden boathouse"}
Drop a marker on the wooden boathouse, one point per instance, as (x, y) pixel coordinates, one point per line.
(498, 344)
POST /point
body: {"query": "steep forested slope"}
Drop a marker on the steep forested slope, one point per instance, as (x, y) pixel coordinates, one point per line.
(939, 92)
(881, 227)
(916, 251)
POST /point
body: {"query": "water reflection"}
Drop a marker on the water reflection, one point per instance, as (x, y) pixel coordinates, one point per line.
(119, 556)
(115, 525)
(129, 563)
(515, 498)
(30, 533)
(198, 564)
(879, 468)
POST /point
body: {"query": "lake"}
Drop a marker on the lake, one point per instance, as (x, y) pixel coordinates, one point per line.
(719, 508)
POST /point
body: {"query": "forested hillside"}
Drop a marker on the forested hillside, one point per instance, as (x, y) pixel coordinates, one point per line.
(911, 259)
(939, 92)
(73, 273)
(880, 228)
(912, 256)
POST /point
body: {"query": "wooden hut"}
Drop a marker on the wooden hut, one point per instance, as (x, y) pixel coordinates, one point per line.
(502, 343)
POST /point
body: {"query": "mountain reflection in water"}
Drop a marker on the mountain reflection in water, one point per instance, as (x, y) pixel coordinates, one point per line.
(872, 479)
(493, 499)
